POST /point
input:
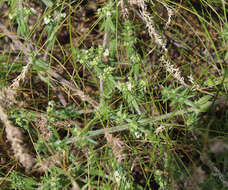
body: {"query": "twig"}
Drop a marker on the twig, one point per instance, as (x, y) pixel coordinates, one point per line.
(78, 92)
(101, 81)
(17, 43)
(99, 132)
(142, 122)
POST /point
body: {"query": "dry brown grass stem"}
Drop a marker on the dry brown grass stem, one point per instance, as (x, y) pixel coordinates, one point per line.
(153, 33)
(150, 24)
(15, 137)
(73, 87)
(21, 77)
(20, 46)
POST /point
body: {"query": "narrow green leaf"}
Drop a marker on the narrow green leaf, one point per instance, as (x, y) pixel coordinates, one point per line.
(203, 100)
(48, 3)
(226, 56)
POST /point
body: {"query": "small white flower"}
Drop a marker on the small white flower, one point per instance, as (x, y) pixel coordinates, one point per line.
(106, 53)
(117, 176)
(137, 134)
(51, 103)
(47, 20)
(159, 129)
(108, 70)
(190, 77)
(129, 85)
(11, 16)
(63, 15)
(101, 76)
(119, 85)
(93, 63)
(33, 10)
(108, 14)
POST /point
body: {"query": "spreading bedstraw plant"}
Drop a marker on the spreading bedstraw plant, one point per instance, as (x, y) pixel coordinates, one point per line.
(124, 101)
(20, 14)
(182, 99)
(104, 65)
(52, 19)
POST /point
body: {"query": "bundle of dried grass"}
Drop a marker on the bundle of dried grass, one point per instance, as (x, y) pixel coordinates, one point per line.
(44, 165)
(116, 145)
(15, 137)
